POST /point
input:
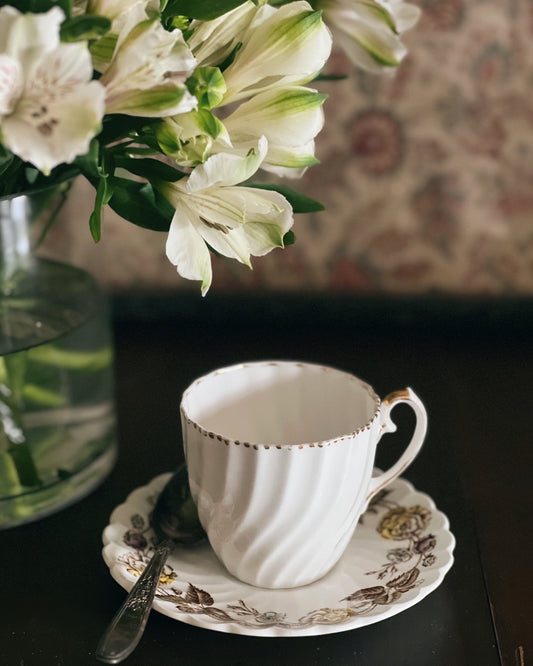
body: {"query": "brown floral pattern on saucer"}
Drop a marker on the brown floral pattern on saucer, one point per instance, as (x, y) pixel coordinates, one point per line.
(399, 553)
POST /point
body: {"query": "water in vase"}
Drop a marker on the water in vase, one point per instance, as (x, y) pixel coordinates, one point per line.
(57, 440)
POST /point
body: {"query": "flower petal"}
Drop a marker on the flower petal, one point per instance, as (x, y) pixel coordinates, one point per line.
(263, 206)
(157, 102)
(148, 51)
(60, 134)
(29, 34)
(405, 15)
(8, 16)
(262, 235)
(231, 243)
(213, 41)
(149, 58)
(289, 116)
(11, 83)
(369, 30)
(186, 248)
(292, 42)
(377, 40)
(233, 217)
(289, 161)
(224, 169)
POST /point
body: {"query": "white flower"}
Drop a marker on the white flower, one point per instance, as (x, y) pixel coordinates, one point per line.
(123, 14)
(369, 30)
(147, 73)
(290, 46)
(235, 221)
(49, 107)
(213, 41)
(289, 118)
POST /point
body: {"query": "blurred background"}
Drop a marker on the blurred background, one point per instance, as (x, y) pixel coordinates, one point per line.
(426, 178)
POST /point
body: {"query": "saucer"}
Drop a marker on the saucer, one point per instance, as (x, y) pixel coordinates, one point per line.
(400, 552)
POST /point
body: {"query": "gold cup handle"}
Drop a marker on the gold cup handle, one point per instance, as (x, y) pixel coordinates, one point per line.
(409, 397)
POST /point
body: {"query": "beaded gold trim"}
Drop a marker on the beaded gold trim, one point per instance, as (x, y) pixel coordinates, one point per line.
(319, 444)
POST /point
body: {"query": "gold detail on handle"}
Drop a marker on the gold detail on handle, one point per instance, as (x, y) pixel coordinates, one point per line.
(402, 394)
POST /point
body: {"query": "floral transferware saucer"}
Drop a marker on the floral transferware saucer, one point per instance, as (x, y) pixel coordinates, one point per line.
(400, 552)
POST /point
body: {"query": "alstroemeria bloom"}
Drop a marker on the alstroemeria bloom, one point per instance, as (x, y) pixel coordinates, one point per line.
(290, 46)
(148, 70)
(211, 210)
(49, 107)
(121, 13)
(369, 30)
(289, 118)
(213, 41)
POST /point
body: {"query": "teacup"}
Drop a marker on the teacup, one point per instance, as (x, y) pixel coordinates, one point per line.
(280, 457)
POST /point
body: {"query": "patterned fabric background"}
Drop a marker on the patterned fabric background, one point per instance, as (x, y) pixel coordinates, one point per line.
(427, 177)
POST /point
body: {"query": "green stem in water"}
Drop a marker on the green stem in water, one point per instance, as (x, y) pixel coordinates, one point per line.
(12, 438)
(72, 360)
(14, 444)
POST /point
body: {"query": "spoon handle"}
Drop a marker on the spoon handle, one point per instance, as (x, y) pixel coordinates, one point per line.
(126, 628)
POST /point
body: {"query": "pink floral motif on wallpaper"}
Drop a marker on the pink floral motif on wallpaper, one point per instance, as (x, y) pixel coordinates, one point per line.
(376, 141)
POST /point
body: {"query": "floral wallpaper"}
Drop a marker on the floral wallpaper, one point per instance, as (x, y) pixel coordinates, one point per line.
(427, 177)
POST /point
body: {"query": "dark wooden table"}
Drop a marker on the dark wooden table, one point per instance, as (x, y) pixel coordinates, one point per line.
(470, 363)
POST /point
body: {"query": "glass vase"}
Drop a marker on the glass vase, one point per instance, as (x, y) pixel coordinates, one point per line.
(57, 423)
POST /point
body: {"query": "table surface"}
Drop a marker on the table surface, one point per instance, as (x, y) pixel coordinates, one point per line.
(57, 595)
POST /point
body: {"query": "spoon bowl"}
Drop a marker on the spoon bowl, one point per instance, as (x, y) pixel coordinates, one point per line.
(174, 516)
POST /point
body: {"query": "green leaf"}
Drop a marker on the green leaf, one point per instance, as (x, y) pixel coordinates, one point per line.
(38, 6)
(6, 158)
(148, 168)
(299, 202)
(120, 126)
(330, 77)
(231, 57)
(288, 238)
(31, 174)
(13, 179)
(84, 28)
(89, 163)
(95, 224)
(103, 195)
(138, 203)
(205, 10)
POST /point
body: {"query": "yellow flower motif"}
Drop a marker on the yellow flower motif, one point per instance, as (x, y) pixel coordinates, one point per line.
(403, 523)
(330, 615)
(167, 577)
(134, 570)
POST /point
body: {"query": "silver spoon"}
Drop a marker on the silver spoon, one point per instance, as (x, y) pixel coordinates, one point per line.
(174, 521)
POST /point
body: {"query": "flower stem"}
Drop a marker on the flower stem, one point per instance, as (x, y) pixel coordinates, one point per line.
(12, 437)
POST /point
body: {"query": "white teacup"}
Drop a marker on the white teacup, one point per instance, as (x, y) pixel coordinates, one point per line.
(280, 457)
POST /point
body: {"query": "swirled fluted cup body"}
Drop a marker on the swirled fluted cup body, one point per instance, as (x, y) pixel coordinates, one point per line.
(280, 457)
